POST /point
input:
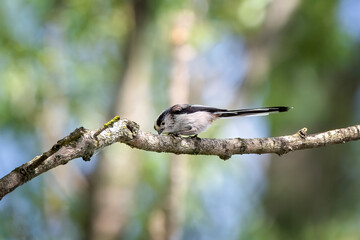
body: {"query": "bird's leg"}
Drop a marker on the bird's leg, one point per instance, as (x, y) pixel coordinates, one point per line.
(195, 137)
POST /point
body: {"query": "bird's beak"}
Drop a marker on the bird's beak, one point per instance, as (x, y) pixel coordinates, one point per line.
(160, 131)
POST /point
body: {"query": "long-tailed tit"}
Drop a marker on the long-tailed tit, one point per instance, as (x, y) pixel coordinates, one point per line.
(187, 119)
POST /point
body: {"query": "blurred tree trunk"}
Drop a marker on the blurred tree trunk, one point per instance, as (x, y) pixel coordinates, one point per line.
(313, 186)
(116, 174)
(302, 191)
(262, 44)
(171, 216)
(53, 119)
(179, 93)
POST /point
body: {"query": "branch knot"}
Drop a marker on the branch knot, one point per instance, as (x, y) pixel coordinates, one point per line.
(303, 133)
(129, 129)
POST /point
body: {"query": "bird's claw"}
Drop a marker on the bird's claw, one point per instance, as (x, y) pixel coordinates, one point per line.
(175, 136)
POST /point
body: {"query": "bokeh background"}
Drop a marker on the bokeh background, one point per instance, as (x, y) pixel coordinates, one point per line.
(71, 63)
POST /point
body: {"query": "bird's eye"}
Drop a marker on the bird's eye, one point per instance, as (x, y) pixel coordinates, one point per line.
(162, 124)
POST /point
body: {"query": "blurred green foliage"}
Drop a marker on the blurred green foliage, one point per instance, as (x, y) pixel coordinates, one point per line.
(61, 64)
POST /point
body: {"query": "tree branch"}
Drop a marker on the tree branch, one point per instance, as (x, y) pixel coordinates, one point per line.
(83, 143)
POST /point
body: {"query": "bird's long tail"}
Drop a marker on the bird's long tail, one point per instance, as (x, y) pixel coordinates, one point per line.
(251, 111)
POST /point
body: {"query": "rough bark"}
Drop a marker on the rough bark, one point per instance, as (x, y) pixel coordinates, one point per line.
(84, 143)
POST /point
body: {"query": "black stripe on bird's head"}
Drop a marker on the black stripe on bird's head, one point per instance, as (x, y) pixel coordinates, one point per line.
(160, 122)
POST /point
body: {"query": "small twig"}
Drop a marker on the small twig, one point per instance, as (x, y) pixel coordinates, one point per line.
(106, 125)
(303, 132)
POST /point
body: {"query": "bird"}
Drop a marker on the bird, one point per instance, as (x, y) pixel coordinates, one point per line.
(190, 120)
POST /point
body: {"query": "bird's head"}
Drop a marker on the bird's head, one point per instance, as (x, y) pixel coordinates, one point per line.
(160, 123)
